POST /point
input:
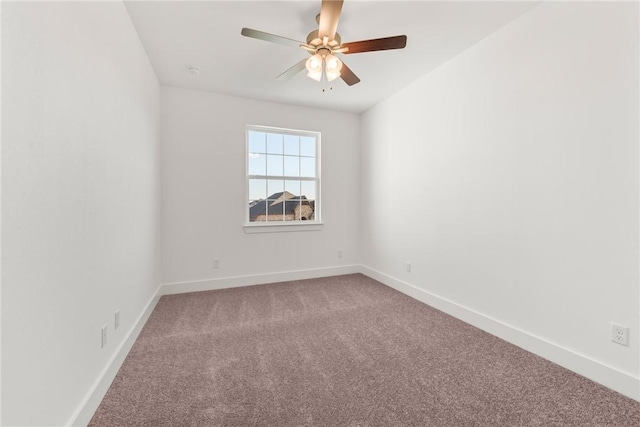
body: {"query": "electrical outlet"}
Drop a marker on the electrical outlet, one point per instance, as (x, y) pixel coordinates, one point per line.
(216, 263)
(620, 334)
(408, 267)
(116, 320)
(340, 254)
(103, 336)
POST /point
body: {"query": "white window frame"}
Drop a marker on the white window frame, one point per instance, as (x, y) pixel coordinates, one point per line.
(278, 226)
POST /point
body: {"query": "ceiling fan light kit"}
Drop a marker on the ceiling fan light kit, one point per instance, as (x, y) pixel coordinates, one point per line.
(314, 67)
(332, 67)
(322, 44)
(323, 62)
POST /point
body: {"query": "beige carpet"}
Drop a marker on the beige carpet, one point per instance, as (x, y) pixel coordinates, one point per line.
(339, 351)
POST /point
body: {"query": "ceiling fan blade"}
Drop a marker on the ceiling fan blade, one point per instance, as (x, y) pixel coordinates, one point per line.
(329, 17)
(261, 35)
(348, 76)
(293, 70)
(386, 43)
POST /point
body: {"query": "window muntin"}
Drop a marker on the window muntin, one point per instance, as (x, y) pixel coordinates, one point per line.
(283, 182)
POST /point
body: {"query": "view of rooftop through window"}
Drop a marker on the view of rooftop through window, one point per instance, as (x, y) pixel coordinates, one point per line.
(282, 175)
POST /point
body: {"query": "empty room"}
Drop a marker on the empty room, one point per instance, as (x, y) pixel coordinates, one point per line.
(320, 212)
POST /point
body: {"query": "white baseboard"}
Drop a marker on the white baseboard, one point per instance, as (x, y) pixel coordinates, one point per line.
(255, 279)
(621, 382)
(92, 400)
(608, 376)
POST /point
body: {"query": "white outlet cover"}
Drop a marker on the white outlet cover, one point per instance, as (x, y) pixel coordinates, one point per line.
(103, 336)
(620, 334)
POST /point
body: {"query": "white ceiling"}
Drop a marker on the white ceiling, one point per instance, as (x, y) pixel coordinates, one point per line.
(206, 34)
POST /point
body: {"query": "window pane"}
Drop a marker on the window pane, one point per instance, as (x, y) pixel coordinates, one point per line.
(273, 155)
(274, 143)
(292, 145)
(307, 210)
(257, 164)
(274, 165)
(307, 146)
(290, 209)
(292, 187)
(275, 186)
(291, 166)
(308, 189)
(257, 142)
(307, 167)
(257, 189)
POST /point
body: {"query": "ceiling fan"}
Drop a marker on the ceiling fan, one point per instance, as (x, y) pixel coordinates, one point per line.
(322, 44)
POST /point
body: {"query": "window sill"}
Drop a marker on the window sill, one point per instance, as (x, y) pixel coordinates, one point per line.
(280, 228)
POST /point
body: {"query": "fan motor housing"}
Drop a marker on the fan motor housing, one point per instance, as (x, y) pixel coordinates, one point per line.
(314, 40)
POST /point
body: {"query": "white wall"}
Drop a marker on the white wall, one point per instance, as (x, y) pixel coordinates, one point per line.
(203, 189)
(1, 275)
(509, 178)
(80, 208)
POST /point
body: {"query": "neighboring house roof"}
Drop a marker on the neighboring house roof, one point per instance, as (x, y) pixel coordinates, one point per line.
(276, 206)
(279, 197)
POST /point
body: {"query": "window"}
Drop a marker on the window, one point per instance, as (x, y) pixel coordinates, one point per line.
(283, 176)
